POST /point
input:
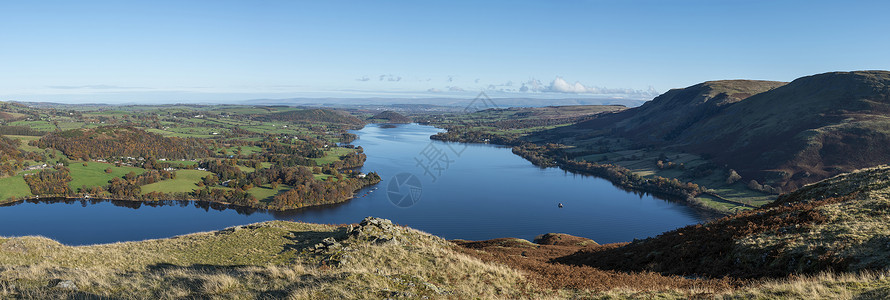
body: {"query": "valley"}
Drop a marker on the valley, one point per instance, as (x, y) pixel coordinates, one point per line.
(349, 149)
(785, 188)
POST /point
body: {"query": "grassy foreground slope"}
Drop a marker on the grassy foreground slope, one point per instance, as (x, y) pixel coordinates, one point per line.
(271, 260)
(371, 260)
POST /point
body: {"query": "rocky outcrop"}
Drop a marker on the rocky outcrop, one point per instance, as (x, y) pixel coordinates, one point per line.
(375, 230)
(63, 284)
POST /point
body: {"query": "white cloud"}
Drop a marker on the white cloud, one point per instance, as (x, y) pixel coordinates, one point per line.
(94, 87)
(390, 77)
(506, 87)
(532, 85)
(454, 89)
(364, 78)
(561, 86)
(434, 90)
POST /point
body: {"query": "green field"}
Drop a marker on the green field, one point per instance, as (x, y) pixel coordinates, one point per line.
(265, 193)
(215, 124)
(25, 139)
(94, 174)
(36, 125)
(643, 163)
(245, 150)
(184, 182)
(14, 186)
(332, 154)
(245, 169)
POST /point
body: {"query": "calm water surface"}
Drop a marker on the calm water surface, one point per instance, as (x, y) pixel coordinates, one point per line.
(479, 192)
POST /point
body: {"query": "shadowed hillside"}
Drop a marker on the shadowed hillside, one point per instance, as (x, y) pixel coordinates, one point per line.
(666, 116)
(807, 130)
(840, 224)
(786, 135)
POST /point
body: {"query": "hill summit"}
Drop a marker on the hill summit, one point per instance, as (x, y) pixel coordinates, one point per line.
(787, 134)
(390, 117)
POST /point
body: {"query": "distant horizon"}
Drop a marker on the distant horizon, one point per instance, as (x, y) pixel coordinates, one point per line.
(359, 97)
(168, 97)
(495, 102)
(202, 51)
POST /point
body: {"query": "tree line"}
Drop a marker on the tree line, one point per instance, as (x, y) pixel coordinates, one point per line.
(551, 155)
(50, 182)
(121, 141)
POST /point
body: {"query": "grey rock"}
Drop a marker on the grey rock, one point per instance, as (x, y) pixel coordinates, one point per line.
(376, 230)
(66, 284)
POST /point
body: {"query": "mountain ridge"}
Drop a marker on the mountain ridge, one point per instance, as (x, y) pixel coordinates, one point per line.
(784, 134)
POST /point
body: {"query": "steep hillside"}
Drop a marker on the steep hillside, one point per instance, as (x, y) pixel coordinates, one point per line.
(389, 117)
(840, 224)
(807, 130)
(668, 115)
(786, 135)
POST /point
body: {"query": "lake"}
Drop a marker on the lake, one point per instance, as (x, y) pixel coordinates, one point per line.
(456, 191)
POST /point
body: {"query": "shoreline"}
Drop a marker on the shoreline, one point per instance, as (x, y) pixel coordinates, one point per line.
(611, 173)
(230, 205)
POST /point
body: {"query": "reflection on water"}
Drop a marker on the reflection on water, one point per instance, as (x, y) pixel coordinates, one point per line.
(485, 192)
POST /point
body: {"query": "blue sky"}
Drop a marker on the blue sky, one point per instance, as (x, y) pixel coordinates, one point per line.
(217, 51)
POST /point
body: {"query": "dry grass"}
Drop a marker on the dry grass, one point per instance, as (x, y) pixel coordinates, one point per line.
(279, 265)
(537, 261)
(266, 260)
(865, 285)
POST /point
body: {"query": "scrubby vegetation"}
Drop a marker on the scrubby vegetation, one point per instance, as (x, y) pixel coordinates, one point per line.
(836, 225)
